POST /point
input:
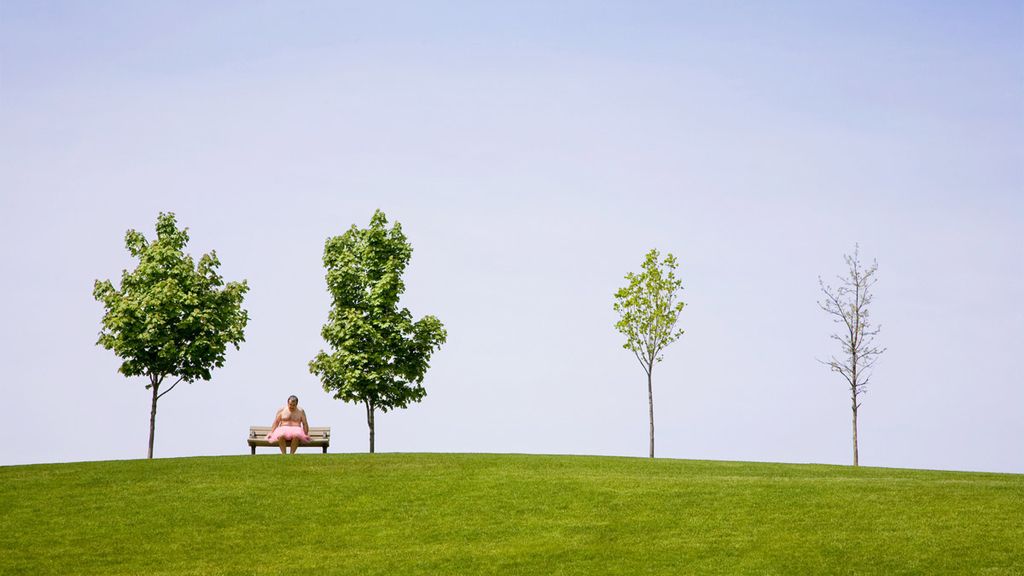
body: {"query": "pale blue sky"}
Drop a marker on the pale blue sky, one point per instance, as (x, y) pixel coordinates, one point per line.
(533, 152)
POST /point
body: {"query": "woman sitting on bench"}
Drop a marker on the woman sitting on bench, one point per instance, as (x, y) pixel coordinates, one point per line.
(290, 425)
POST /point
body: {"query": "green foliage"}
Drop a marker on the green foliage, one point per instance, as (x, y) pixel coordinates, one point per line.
(378, 356)
(648, 310)
(171, 317)
(502, 514)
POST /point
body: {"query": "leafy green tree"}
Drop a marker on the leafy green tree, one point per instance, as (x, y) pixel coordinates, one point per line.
(379, 355)
(648, 310)
(171, 318)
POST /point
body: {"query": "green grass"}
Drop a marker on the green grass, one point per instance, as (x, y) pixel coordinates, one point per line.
(503, 514)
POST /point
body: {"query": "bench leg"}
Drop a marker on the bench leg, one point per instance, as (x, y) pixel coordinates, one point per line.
(253, 450)
(325, 449)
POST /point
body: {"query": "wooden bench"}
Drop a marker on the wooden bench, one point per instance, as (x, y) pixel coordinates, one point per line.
(319, 437)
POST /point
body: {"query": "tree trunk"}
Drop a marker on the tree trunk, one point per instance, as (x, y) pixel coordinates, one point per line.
(152, 418)
(650, 405)
(369, 422)
(855, 462)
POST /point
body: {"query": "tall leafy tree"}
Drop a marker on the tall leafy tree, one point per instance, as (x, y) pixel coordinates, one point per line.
(649, 308)
(848, 304)
(378, 355)
(172, 318)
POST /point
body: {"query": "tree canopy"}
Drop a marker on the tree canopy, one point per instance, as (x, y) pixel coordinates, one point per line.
(378, 355)
(171, 317)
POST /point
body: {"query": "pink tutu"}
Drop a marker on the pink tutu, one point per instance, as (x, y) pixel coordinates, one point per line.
(288, 433)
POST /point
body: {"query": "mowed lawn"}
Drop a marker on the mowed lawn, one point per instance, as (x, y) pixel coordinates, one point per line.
(503, 514)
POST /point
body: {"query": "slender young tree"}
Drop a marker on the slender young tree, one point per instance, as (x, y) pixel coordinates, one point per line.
(171, 318)
(848, 304)
(378, 356)
(648, 311)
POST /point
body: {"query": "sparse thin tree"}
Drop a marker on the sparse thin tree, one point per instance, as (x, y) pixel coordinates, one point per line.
(172, 318)
(648, 310)
(378, 355)
(848, 304)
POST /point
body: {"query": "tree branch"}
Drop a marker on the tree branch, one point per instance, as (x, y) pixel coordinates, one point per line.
(160, 395)
(642, 365)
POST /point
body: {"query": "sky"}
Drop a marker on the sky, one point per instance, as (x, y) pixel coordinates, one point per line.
(533, 153)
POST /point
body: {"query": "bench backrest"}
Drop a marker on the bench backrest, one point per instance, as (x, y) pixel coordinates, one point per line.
(315, 432)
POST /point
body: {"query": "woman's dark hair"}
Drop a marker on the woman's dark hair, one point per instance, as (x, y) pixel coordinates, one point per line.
(295, 397)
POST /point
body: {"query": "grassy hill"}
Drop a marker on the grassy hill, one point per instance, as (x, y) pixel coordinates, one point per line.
(503, 514)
